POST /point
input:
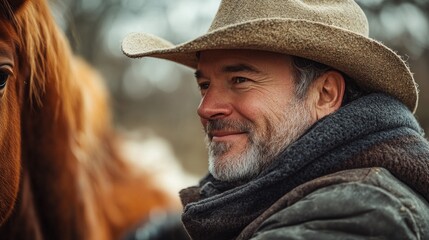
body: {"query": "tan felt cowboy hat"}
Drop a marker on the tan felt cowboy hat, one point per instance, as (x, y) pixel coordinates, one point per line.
(333, 32)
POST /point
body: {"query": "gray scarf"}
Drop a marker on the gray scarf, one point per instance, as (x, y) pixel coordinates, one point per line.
(373, 131)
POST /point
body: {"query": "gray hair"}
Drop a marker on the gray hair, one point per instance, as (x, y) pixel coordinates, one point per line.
(305, 71)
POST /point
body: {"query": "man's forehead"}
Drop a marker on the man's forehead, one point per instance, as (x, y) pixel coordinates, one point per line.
(240, 53)
(231, 68)
(254, 59)
(225, 61)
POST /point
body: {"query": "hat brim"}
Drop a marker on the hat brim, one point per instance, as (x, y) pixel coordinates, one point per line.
(374, 66)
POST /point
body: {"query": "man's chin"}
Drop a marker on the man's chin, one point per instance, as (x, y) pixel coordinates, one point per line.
(230, 170)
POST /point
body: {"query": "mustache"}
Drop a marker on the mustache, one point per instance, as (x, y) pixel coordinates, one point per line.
(227, 125)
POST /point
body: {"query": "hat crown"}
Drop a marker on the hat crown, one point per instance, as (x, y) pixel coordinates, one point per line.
(345, 14)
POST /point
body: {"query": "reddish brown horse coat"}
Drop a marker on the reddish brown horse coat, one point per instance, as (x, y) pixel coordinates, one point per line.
(61, 176)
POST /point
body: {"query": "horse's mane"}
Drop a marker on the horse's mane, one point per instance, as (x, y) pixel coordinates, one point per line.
(47, 52)
(82, 98)
(81, 106)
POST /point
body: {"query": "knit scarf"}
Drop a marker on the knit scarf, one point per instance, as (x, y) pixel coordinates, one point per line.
(373, 131)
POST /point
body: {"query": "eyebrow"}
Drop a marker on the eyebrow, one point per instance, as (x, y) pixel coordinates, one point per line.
(198, 74)
(241, 67)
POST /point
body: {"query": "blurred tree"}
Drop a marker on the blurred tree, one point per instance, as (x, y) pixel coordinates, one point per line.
(156, 97)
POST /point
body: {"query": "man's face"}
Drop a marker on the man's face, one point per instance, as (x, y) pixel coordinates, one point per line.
(248, 110)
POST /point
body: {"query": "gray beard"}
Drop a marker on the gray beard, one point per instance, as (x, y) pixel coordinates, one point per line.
(260, 150)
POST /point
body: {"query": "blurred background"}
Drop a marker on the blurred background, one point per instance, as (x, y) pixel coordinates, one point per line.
(157, 99)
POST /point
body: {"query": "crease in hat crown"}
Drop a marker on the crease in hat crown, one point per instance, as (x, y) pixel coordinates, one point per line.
(332, 32)
(348, 16)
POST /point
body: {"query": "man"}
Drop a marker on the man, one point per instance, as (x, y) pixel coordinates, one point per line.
(309, 126)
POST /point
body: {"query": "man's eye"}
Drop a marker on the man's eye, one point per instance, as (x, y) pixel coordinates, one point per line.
(203, 85)
(237, 80)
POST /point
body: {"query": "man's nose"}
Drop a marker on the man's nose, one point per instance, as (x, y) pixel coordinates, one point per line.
(214, 104)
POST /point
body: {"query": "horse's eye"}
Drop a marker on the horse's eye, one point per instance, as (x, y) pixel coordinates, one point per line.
(4, 76)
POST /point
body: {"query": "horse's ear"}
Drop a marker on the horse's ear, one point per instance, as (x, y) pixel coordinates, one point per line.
(9, 7)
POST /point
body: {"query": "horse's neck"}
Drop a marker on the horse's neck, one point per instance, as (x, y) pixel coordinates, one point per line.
(82, 189)
(27, 220)
(24, 220)
(52, 170)
(58, 152)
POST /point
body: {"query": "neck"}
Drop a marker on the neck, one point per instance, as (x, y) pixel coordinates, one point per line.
(71, 175)
(74, 171)
(52, 169)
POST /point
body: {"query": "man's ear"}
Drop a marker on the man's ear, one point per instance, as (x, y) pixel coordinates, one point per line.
(328, 91)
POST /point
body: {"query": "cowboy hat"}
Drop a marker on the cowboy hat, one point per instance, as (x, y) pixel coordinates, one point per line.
(331, 32)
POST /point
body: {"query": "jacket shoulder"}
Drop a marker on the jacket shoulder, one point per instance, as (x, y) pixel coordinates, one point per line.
(352, 204)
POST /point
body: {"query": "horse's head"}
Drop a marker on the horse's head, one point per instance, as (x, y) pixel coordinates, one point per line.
(12, 81)
(35, 70)
(52, 105)
(59, 161)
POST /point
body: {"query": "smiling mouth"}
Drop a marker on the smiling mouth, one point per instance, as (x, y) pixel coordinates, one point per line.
(224, 136)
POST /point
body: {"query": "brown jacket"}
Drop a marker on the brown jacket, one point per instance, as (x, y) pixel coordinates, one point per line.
(366, 203)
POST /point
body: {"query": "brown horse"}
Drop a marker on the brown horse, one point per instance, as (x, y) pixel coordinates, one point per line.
(61, 173)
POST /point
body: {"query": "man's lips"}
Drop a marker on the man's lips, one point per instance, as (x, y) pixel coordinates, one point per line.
(224, 135)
